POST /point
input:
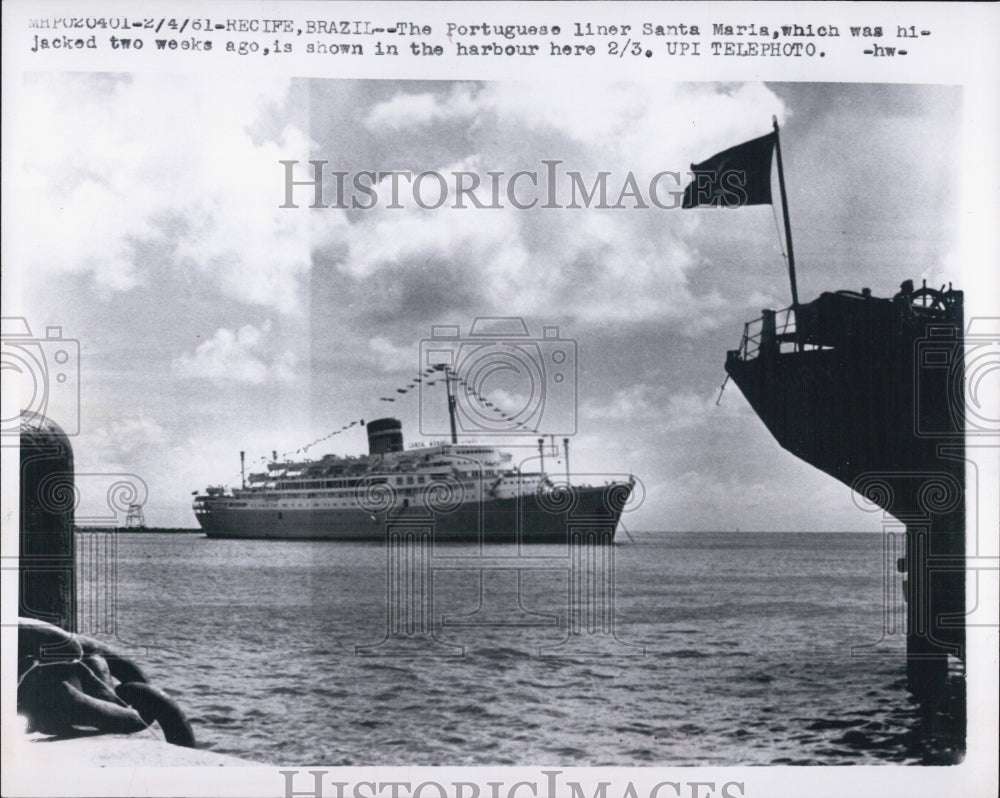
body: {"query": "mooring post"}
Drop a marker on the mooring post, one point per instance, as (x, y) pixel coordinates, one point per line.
(47, 569)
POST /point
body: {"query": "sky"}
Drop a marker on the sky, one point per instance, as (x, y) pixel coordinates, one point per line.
(211, 320)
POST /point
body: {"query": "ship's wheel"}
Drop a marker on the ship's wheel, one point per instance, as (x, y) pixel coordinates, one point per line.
(929, 298)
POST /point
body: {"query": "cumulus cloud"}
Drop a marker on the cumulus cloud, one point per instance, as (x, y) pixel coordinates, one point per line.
(126, 178)
(568, 265)
(391, 357)
(111, 439)
(237, 356)
(630, 263)
(408, 110)
(633, 121)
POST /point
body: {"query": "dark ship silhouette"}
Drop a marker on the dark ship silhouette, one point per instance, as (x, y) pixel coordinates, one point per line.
(871, 391)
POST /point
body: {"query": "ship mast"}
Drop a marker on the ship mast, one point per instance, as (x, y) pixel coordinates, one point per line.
(784, 213)
(451, 403)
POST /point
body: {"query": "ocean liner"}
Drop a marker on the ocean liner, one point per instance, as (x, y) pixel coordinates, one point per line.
(457, 492)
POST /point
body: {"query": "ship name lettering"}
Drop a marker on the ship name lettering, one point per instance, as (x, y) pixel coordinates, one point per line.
(651, 29)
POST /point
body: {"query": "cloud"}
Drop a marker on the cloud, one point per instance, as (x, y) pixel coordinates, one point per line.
(634, 401)
(420, 110)
(116, 439)
(237, 356)
(128, 179)
(672, 412)
(687, 409)
(636, 122)
(160, 194)
(626, 264)
(392, 357)
(506, 400)
(569, 264)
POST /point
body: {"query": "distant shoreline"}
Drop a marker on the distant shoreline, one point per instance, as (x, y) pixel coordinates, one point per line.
(148, 530)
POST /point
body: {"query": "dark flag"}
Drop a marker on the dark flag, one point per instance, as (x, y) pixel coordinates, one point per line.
(735, 177)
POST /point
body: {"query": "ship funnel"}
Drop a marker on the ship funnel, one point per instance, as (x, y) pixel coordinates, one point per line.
(385, 435)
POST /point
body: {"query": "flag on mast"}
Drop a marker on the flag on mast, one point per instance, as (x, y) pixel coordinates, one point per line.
(735, 177)
(741, 176)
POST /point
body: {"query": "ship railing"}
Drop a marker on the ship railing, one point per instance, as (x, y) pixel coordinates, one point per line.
(775, 330)
(750, 343)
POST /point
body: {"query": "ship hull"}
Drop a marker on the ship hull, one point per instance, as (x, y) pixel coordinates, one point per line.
(525, 519)
(870, 391)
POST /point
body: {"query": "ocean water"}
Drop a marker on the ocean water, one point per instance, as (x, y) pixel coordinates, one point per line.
(667, 648)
